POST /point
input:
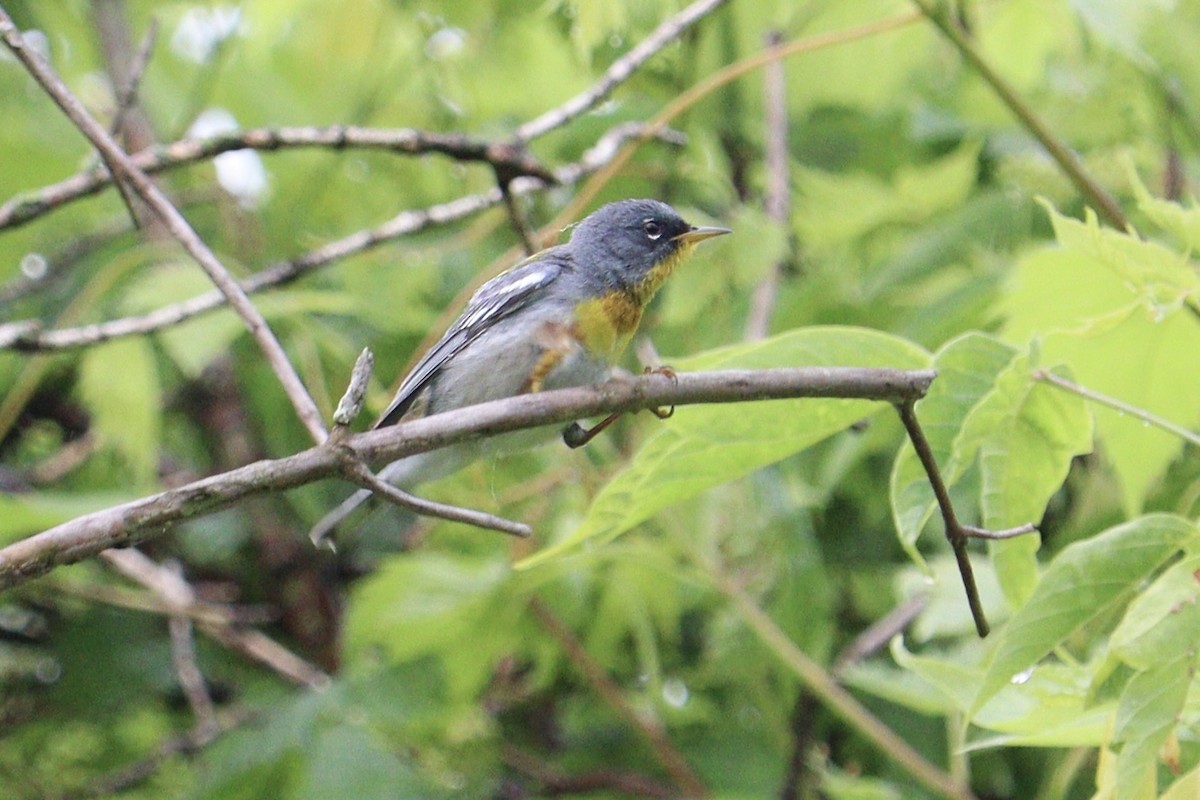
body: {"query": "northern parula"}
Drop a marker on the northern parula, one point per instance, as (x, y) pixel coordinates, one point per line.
(560, 318)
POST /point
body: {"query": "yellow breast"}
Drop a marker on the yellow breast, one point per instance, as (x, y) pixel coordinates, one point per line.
(606, 324)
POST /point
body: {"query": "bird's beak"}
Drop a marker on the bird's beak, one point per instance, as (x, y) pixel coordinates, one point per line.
(700, 234)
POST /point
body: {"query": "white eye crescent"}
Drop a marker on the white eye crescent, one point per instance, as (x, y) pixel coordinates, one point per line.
(653, 229)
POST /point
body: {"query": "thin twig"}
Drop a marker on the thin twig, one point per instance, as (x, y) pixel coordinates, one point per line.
(128, 93)
(620, 71)
(956, 533)
(350, 406)
(153, 516)
(516, 217)
(183, 656)
(879, 633)
(668, 757)
(515, 162)
(555, 783)
(358, 472)
(27, 335)
(866, 643)
(1118, 405)
(835, 698)
(174, 221)
(179, 597)
(777, 194)
(1066, 159)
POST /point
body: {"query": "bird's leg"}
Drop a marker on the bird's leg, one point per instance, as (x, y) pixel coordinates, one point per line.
(575, 435)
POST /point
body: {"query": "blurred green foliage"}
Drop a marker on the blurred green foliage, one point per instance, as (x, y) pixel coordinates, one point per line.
(926, 227)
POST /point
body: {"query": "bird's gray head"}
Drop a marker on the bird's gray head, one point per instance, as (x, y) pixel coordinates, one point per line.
(628, 239)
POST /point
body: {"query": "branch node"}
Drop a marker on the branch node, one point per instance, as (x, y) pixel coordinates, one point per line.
(351, 404)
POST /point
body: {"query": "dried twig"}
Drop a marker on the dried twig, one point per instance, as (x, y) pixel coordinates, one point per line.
(28, 336)
(119, 162)
(777, 195)
(619, 72)
(835, 698)
(514, 161)
(1119, 406)
(152, 516)
(179, 600)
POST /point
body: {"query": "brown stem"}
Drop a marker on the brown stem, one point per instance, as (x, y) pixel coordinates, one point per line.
(672, 762)
(154, 515)
(956, 533)
(1066, 159)
(119, 162)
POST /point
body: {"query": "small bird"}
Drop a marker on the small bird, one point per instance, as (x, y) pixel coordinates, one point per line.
(560, 318)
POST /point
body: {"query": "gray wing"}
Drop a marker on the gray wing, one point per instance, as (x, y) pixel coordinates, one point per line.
(500, 297)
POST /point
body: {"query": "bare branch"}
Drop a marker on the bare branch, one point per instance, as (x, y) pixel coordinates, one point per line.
(777, 199)
(174, 221)
(619, 72)
(152, 516)
(361, 475)
(956, 533)
(180, 600)
(1119, 406)
(27, 335)
(127, 96)
(515, 161)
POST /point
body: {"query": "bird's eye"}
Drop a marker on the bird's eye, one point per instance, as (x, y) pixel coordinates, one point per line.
(653, 229)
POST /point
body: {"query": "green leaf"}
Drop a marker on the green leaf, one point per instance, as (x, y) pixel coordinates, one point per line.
(1146, 715)
(967, 367)
(704, 446)
(1025, 434)
(418, 604)
(1163, 622)
(1084, 581)
(1182, 223)
(1049, 708)
(1162, 279)
(1186, 788)
(24, 514)
(119, 384)
(345, 760)
(1089, 318)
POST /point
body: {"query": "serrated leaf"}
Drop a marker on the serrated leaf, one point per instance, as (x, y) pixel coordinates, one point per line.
(1182, 223)
(967, 367)
(1089, 319)
(1146, 714)
(1163, 622)
(1161, 278)
(704, 446)
(1085, 580)
(119, 385)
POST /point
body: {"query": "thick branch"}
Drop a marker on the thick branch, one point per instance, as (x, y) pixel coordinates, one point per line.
(152, 516)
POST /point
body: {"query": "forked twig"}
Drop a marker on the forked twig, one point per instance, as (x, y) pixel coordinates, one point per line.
(957, 533)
